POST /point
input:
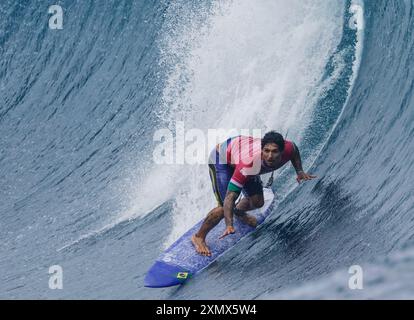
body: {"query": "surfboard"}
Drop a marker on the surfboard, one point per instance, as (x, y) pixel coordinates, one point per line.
(180, 261)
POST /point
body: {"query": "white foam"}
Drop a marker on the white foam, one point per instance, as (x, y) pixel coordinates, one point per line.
(249, 65)
(253, 64)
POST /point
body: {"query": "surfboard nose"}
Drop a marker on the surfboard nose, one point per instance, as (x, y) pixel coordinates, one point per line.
(165, 275)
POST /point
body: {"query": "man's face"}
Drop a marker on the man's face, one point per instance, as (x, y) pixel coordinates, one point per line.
(271, 154)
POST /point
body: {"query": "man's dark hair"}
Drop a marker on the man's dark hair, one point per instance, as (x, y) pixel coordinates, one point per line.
(274, 137)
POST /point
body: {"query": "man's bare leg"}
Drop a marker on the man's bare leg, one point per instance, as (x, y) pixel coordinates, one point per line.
(247, 204)
(199, 238)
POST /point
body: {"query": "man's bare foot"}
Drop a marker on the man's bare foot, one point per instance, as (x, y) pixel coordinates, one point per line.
(248, 219)
(200, 246)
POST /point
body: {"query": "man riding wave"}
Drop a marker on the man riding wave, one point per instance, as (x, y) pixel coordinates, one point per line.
(235, 166)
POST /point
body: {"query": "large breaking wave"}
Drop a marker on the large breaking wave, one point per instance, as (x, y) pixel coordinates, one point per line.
(80, 106)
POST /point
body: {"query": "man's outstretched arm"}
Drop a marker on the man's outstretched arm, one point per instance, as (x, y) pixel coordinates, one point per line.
(297, 164)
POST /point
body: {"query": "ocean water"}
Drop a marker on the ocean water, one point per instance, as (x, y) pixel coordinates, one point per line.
(79, 108)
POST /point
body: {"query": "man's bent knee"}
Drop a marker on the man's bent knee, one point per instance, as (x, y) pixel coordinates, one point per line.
(258, 202)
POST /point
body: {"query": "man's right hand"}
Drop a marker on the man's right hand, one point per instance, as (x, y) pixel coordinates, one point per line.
(229, 230)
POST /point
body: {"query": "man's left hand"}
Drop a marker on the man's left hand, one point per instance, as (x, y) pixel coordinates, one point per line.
(304, 176)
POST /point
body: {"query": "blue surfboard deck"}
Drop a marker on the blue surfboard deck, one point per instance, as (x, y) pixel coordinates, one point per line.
(180, 261)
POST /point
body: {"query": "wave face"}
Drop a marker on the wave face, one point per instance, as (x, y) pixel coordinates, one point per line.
(79, 110)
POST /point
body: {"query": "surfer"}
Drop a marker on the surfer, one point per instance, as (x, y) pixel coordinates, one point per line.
(235, 166)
